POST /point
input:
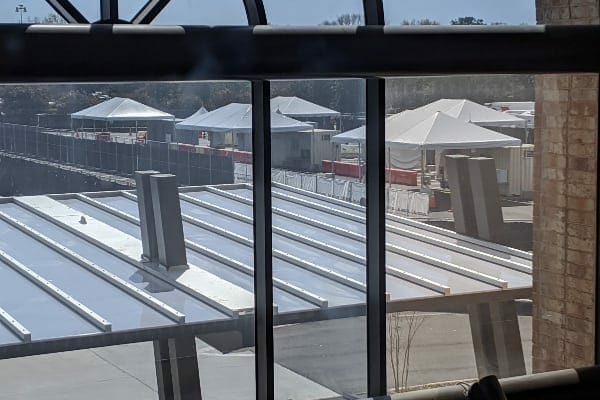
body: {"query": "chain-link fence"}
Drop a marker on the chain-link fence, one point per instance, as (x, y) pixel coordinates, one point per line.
(120, 155)
(398, 201)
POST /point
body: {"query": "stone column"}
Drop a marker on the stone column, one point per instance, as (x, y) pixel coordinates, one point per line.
(565, 205)
(461, 196)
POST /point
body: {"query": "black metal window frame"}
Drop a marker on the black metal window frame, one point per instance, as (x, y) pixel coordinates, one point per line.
(260, 53)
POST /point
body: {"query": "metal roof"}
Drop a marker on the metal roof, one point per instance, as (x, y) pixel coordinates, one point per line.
(69, 264)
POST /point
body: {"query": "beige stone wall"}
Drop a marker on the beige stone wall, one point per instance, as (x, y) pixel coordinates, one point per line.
(565, 200)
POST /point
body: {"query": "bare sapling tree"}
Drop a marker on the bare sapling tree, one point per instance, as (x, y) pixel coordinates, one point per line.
(401, 329)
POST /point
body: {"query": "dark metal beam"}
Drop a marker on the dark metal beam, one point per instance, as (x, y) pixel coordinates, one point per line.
(263, 255)
(150, 11)
(375, 221)
(376, 301)
(265, 52)
(255, 12)
(373, 10)
(109, 10)
(68, 11)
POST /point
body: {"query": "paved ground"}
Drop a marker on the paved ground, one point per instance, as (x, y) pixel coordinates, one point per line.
(334, 353)
(310, 356)
(127, 373)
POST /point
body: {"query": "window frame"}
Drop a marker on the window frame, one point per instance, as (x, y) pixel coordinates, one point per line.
(354, 52)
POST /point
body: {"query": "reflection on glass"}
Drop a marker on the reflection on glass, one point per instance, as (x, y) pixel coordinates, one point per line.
(318, 238)
(459, 183)
(460, 12)
(82, 138)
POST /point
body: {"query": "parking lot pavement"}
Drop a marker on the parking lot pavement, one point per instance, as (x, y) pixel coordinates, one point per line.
(314, 361)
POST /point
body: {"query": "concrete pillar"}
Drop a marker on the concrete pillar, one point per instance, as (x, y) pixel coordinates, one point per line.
(162, 361)
(167, 218)
(496, 339)
(177, 374)
(486, 198)
(144, 195)
(461, 196)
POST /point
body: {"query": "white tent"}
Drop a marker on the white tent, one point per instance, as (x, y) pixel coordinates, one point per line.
(356, 135)
(418, 130)
(410, 132)
(201, 111)
(121, 109)
(297, 107)
(469, 111)
(237, 118)
(443, 132)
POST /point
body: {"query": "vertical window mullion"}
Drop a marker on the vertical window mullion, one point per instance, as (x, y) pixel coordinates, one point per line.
(263, 261)
(375, 142)
(376, 302)
(109, 10)
(263, 230)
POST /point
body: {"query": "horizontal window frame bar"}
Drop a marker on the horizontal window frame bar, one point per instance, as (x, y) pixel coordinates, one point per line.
(42, 53)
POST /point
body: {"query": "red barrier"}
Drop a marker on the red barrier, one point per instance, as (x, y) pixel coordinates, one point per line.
(398, 176)
(402, 176)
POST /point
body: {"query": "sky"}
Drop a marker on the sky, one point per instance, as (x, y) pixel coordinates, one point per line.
(294, 12)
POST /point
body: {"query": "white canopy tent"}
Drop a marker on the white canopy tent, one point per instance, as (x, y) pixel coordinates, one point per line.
(200, 111)
(469, 111)
(237, 118)
(408, 134)
(121, 109)
(443, 132)
(297, 107)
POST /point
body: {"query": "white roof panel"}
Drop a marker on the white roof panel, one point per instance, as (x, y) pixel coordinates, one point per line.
(318, 248)
(237, 118)
(298, 107)
(122, 109)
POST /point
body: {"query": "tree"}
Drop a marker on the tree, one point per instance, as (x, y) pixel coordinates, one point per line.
(53, 18)
(401, 331)
(346, 19)
(50, 19)
(467, 21)
(425, 21)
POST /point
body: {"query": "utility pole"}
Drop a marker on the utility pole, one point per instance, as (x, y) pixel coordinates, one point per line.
(21, 9)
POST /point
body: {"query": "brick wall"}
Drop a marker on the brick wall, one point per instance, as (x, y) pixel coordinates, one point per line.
(565, 200)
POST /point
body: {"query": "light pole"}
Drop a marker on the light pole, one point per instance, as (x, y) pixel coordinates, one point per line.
(21, 9)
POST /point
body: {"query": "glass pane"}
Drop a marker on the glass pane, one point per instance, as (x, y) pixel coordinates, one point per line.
(470, 161)
(318, 238)
(89, 8)
(27, 12)
(314, 12)
(129, 8)
(461, 12)
(202, 12)
(82, 138)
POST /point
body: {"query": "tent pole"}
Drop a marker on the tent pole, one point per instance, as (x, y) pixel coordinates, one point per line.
(358, 158)
(422, 169)
(389, 176)
(521, 170)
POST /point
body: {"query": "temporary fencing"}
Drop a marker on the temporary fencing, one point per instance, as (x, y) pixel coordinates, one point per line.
(398, 201)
